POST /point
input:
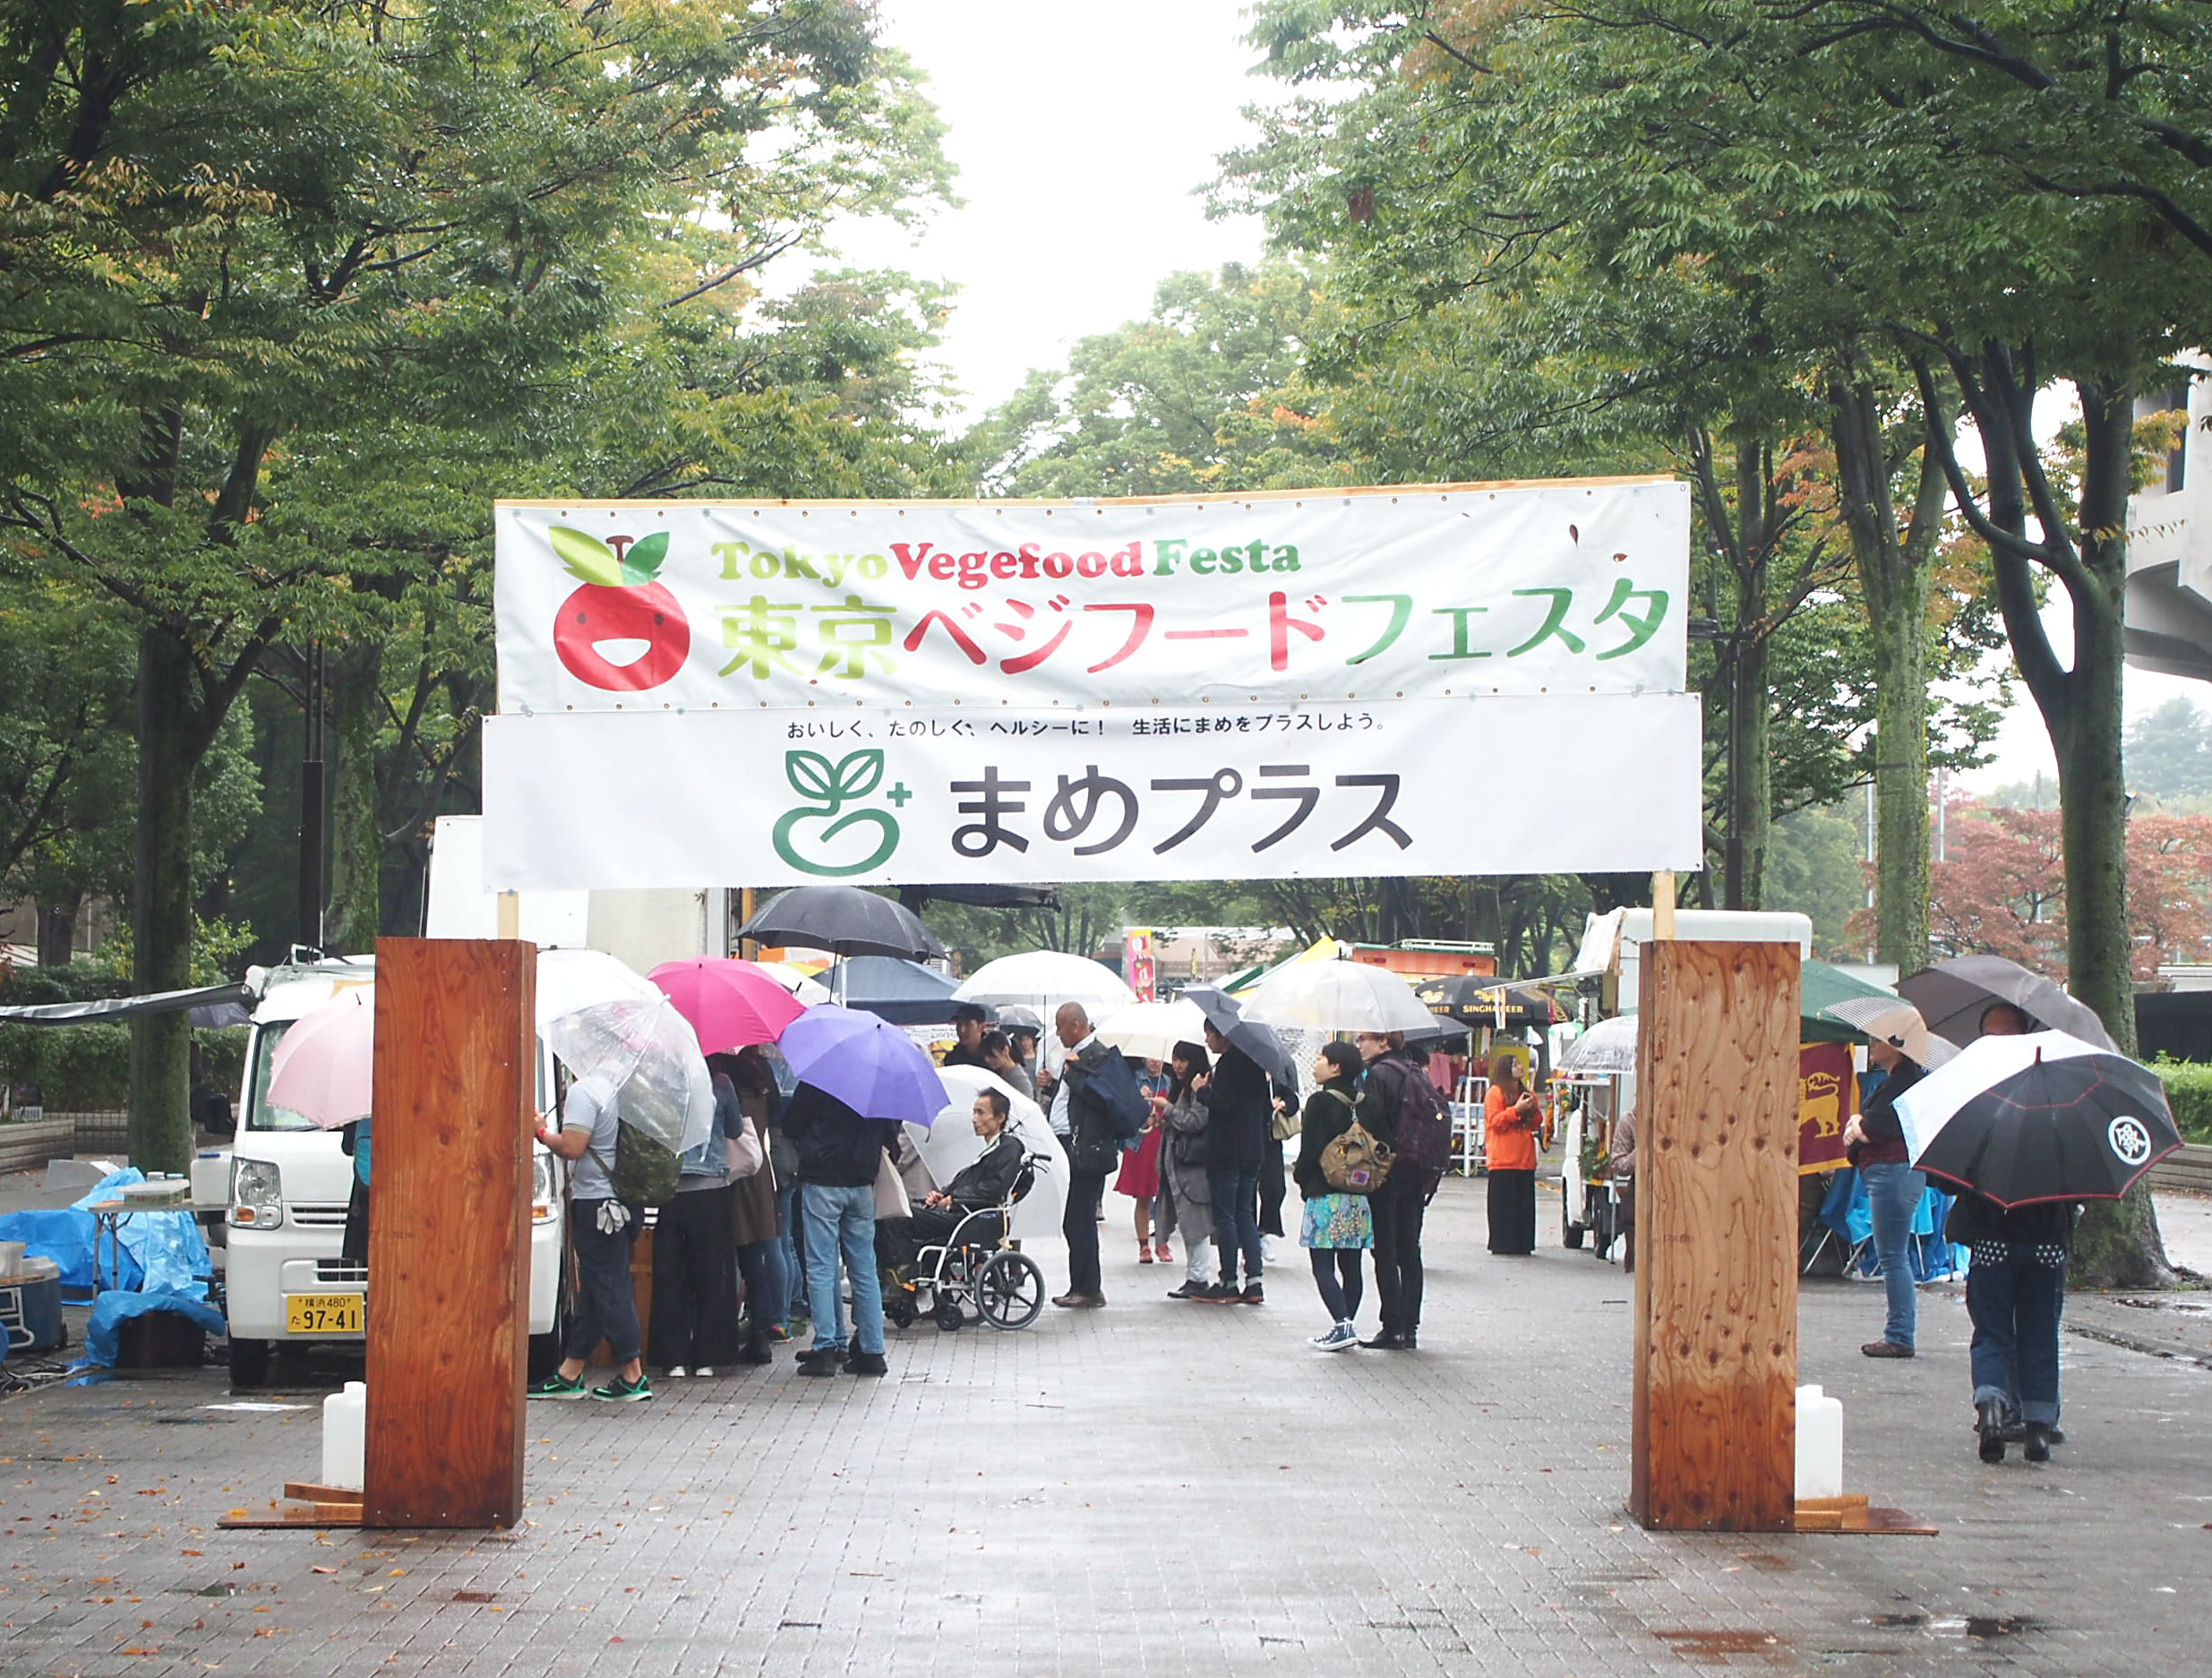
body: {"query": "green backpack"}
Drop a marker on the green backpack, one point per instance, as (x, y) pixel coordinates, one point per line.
(645, 1170)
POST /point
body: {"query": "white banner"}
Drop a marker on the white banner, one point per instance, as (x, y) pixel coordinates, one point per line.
(1312, 597)
(1235, 791)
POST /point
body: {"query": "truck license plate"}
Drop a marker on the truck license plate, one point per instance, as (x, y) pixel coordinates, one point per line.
(324, 1314)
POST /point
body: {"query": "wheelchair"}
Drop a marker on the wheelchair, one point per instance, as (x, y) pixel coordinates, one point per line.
(974, 1267)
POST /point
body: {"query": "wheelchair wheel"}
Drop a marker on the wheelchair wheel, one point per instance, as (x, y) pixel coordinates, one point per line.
(898, 1308)
(1009, 1290)
(949, 1314)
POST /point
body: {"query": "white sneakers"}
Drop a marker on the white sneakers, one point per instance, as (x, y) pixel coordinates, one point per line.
(676, 1372)
(1340, 1338)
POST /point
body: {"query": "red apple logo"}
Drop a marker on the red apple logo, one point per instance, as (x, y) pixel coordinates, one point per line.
(623, 632)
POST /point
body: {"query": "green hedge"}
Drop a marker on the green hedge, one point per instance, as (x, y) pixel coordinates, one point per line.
(2188, 1092)
(87, 1068)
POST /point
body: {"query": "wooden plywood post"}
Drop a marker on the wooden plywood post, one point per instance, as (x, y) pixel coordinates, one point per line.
(1716, 1289)
(449, 1232)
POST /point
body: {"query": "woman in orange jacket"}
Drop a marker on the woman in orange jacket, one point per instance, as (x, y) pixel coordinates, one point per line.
(1510, 1123)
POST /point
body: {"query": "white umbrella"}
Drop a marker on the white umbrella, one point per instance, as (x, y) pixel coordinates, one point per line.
(1150, 1030)
(1337, 997)
(798, 984)
(950, 1146)
(1043, 980)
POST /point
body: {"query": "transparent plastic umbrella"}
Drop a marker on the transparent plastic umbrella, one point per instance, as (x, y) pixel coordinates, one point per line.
(648, 1053)
(1337, 997)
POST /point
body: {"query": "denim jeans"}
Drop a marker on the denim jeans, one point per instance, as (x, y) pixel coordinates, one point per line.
(842, 1221)
(2015, 1305)
(1236, 1218)
(1892, 1193)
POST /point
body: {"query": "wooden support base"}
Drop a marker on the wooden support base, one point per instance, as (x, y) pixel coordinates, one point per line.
(313, 1515)
(308, 1492)
(1851, 1514)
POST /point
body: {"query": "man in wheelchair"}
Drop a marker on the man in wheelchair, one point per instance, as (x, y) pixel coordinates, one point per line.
(982, 1187)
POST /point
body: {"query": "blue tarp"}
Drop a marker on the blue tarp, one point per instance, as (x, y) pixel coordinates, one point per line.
(1845, 1211)
(64, 1235)
(166, 1248)
(110, 1311)
(161, 1250)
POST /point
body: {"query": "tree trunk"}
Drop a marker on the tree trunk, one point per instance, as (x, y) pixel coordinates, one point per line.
(161, 903)
(2118, 1244)
(355, 913)
(1751, 777)
(57, 929)
(1894, 574)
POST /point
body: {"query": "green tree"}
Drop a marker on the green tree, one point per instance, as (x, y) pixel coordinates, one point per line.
(1207, 393)
(244, 238)
(2170, 751)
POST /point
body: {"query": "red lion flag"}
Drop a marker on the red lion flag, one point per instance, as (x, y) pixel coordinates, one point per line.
(1827, 1097)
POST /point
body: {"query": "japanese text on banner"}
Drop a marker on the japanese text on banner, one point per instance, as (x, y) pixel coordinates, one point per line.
(1551, 588)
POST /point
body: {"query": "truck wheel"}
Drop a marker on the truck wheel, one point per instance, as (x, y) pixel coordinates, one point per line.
(249, 1364)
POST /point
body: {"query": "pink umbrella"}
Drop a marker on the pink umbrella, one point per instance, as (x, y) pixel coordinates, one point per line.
(322, 1064)
(729, 1003)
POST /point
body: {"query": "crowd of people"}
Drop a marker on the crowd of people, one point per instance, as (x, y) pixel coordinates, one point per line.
(773, 1225)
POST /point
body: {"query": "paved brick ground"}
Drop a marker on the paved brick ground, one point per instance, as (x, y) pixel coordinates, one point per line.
(1154, 1489)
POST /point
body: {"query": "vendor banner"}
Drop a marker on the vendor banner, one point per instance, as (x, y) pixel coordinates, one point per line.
(1827, 1097)
(658, 798)
(1350, 597)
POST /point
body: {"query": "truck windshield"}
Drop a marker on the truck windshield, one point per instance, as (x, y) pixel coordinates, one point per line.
(260, 1114)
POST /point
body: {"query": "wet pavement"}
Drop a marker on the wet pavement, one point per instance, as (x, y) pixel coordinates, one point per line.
(1154, 1488)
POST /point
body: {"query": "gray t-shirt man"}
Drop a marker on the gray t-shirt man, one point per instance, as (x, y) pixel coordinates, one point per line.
(591, 1105)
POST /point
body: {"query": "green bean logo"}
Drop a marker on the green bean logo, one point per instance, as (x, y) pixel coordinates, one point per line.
(833, 786)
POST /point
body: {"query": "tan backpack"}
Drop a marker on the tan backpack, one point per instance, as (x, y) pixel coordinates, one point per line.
(1354, 1162)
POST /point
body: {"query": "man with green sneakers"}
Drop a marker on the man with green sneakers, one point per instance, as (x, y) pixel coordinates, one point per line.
(602, 1230)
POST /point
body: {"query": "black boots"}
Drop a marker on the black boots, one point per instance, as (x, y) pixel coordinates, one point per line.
(2035, 1441)
(758, 1348)
(1989, 1423)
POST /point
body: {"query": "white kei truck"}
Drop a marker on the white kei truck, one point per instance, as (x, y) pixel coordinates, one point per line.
(289, 1183)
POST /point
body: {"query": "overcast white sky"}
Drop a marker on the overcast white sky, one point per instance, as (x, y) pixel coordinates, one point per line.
(1083, 135)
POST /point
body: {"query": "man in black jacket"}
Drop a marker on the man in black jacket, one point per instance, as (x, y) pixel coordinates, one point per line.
(839, 1153)
(1082, 1113)
(982, 1186)
(1240, 1107)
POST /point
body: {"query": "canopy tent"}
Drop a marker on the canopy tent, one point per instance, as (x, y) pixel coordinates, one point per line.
(905, 993)
(1820, 987)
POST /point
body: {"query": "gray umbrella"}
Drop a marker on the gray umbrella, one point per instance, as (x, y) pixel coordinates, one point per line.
(1256, 1039)
(1952, 996)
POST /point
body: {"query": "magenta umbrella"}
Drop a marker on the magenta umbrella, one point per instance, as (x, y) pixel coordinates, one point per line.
(321, 1065)
(729, 1003)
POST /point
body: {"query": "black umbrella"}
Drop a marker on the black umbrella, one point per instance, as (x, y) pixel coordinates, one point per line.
(842, 919)
(2041, 1118)
(904, 993)
(1953, 995)
(1256, 1039)
(1440, 1026)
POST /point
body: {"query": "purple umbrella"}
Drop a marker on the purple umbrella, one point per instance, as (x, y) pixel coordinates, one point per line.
(867, 1063)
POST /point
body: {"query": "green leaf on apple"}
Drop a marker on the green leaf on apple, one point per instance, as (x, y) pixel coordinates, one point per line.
(586, 557)
(642, 563)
